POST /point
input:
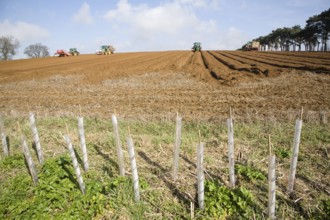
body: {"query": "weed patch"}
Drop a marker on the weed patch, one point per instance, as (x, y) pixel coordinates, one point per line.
(222, 202)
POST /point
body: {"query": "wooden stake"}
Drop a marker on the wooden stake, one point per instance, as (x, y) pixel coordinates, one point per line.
(79, 110)
(67, 129)
(19, 129)
(129, 131)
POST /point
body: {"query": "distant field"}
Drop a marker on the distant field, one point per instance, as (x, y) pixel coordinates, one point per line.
(199, 85)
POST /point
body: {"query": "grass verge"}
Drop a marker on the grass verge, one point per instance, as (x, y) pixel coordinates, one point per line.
(110, 196)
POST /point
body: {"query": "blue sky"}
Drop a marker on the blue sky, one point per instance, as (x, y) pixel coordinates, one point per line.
(132, 25)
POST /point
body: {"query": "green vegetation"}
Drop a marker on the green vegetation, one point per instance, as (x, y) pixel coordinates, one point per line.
(109, 196)
(249, 172)
(221, 201)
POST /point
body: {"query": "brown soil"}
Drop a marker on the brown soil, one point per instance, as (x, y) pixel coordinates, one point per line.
(158, 84)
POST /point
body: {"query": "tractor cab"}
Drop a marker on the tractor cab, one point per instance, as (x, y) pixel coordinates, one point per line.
(106, 50)
(74, 52)
(197, 47)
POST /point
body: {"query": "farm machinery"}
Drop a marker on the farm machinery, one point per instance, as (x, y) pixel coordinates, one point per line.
(74, 52)
(197, 47)
(64, 53)
(254, 45)
(106, 50)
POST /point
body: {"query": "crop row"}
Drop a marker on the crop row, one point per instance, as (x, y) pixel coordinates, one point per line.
(222, 64)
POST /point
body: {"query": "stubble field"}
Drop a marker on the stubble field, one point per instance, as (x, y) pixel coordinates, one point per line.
(157, 84)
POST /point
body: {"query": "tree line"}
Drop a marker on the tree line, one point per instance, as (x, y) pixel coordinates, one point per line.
(9, 47)
(314, 36)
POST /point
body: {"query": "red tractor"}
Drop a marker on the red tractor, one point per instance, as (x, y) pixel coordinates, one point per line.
(62, 53)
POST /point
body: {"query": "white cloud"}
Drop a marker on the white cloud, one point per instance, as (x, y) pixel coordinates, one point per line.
(165, 18)
(83, 15)
(233, 39)
(209, 4)
(168, 26)
(168, 18)
(23, 31)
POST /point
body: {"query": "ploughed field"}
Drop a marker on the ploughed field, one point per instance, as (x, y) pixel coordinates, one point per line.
(201, 85)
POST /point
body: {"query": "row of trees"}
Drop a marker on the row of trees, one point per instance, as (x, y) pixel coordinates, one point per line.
(314, 37)
(9, 47)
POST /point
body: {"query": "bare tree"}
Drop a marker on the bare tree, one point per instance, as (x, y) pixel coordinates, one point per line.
(8, 47)
(37, 50)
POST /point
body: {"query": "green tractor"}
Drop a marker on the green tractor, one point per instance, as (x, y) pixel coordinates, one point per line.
(197, 47)
(106, 50)
(74, 52)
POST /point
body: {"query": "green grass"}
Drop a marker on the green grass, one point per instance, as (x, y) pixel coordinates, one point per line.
(110, 196)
